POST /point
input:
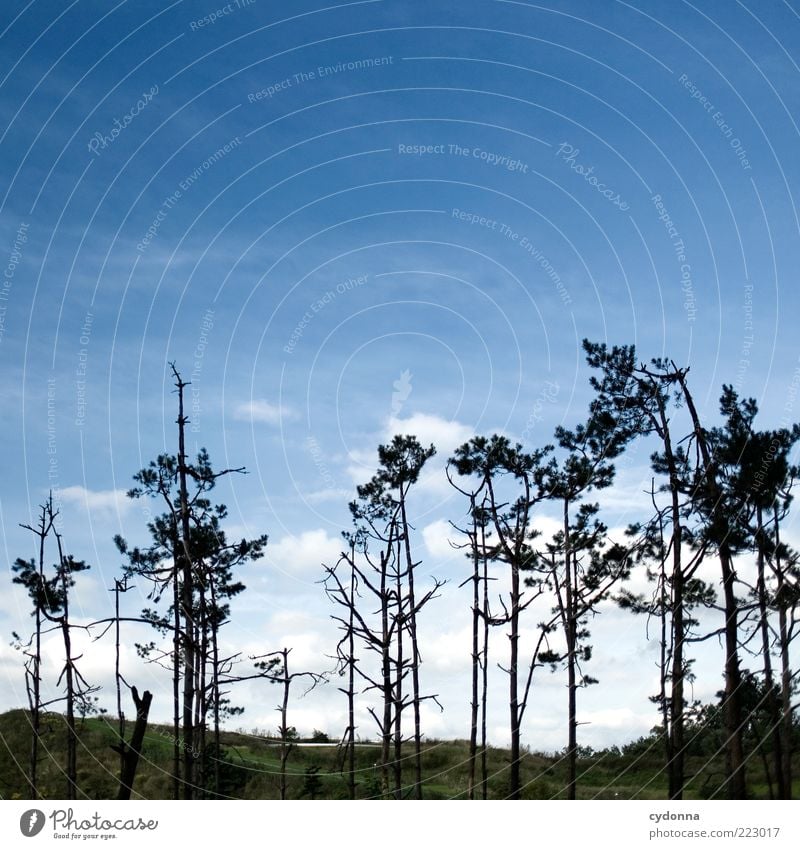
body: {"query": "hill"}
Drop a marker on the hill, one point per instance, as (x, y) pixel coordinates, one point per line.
(250, 767)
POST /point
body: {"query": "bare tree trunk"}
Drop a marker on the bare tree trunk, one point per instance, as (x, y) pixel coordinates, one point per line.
(398, 688)
(351, 664)
(415, 655)
(786, 672)
(285, 744)
(215, 691)
(773, 707)
(386, 672)
(732, 709)
(129, 754)
(187, 601)
(176, 680)
(571, 639)
(69, 680)
(36, 682)
(513, 677)
(675, 744)
(120, 715)
(485, 673)
(474, 705)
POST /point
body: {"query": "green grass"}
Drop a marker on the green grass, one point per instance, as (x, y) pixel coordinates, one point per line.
(250, 767)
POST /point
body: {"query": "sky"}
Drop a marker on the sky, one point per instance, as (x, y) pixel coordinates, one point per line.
(344, 221)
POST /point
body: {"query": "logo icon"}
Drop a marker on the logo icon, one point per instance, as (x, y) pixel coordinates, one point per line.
(402, 389)
(31, 822)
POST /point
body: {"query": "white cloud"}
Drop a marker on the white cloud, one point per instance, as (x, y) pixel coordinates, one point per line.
(446, 435)
(304, 553)
(96, 501)
(322, 496)
(259, 410)
(438, 536)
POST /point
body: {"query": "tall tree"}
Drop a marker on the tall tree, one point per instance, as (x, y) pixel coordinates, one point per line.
(51, 597)
(30, 574)
(581, 569)
(380, 562)
(645, 394)
(514, 483)
(190, 557)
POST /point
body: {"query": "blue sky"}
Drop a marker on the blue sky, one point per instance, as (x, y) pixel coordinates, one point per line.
(344, 221)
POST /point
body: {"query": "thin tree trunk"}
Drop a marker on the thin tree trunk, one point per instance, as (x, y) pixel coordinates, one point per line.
(398, 689)
(513, 694)
(176, 678)
(285, 745)
(129, 754)
(474, 705)
(215, 691)
(732, 710)
(485, 672)
(351, 664)
(570, 635)
(786, 672)
(120, 714)
(773, 708)
(187, 601)
(386, 671)
(415, 655)
(675, 751)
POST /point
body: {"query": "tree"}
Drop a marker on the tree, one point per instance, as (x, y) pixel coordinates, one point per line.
(645, 393)
(190, 556)
(514, 483)
(478, 533)
(30, 574)
(380, 565)
(278, 673)
(50, 596)
(580, 568)
(400, 464)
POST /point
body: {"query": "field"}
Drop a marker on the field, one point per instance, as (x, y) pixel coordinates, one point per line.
(250, 768)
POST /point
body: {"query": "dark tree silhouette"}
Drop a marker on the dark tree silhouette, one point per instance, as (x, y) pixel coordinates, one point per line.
(514, 483)
(190, 556)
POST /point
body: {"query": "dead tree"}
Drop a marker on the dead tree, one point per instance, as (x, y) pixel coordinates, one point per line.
(129, 752)
(274, 667)
(31, 575)
(51, 602)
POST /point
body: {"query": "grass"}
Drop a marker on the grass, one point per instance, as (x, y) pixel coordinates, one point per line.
(250, 768)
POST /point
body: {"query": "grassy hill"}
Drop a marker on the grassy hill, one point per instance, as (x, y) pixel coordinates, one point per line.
(250, 767)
